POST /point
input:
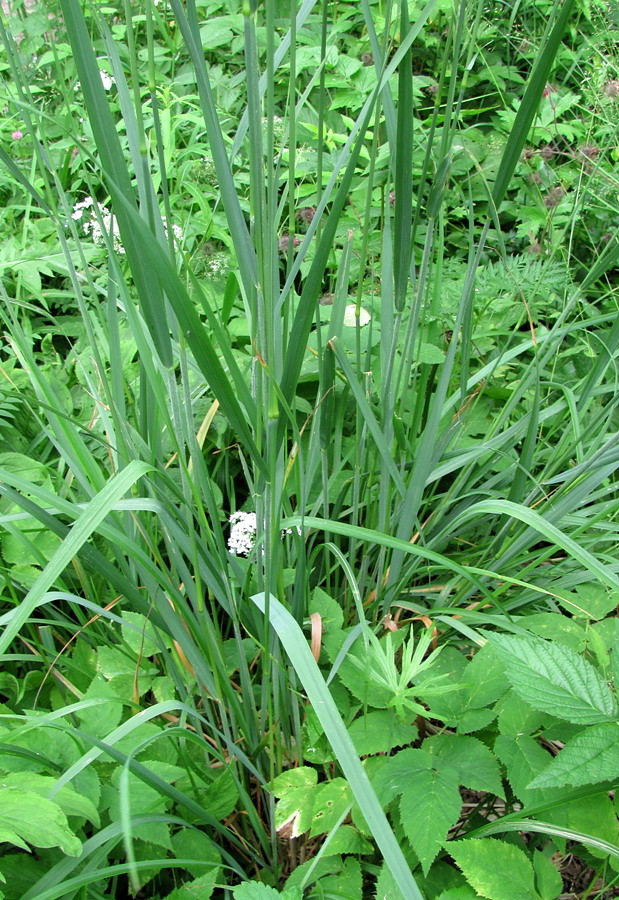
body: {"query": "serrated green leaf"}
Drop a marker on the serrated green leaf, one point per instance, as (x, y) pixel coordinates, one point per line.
(346, 884)
(472, 720)
(380, 732)
(516, 716)
(252, 890)
(27, 817)
(429, 805)
(200, 889)
(555, 679)
(293, 813)
(294, 779)
(523, 759)
(497, 870)
(459, 893)
(548, 882)
(347, 840)
(101, 719)
(189, 843)
(556, 627)
(386, 888)
(329, 610)
(485, 679)
(589, 601)
(430, 354)
(330, 802)
(589, 758)
(70, 802)
(472, 763)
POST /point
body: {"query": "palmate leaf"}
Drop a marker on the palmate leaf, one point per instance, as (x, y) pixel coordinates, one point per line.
(497, 871)
(555, 679)
(589, 758)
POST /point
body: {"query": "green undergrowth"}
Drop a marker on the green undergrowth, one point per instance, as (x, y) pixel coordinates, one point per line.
(308, 450)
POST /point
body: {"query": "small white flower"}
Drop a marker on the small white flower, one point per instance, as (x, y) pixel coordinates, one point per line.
(350, 316)
(106, 80)
(242, 534)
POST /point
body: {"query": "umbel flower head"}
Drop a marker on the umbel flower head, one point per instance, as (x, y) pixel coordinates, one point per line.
(242, 534)
(84, 212)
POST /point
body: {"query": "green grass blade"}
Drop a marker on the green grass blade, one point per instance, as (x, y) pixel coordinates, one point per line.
(530, 101)
(83, 528)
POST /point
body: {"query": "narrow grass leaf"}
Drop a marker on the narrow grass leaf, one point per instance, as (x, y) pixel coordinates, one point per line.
(82, 529)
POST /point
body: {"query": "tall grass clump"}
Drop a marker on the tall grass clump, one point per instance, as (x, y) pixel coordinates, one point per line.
(292, 368)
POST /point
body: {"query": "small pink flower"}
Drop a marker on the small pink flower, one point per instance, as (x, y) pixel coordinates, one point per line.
(16, 135)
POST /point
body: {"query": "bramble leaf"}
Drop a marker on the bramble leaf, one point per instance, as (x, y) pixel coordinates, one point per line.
(471, 761)
(589, 758)
(27, 818)
(555, 679)
(497, 870)
(429, 806)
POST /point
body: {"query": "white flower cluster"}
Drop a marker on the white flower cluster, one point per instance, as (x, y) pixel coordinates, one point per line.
(217, 264)
(106, 80)
(84, 211)
(242, 534)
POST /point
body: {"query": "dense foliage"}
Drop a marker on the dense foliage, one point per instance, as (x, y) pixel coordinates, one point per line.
(308, 449)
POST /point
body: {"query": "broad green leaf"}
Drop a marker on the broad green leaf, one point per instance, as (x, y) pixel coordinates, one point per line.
(348, 840)
(296, 790)
(251, 890)
(516, 716)
(99, 720)
(430, 801)
(429, 806)
(472, 763)
(221, 795)
(589, 601)
(459, 893)
(27, 818)
(386, 888)
(380, 732)
(548, 882)
(301, 778)
(70, 802)
(555, 679)
(474, 720)
(589, 758)
(200, 889)
(485, 679)
(189, 843)
(523, 759)
(139, 634)
(497, 871)
(430, 354)
(594, 816)
(345, 884)
(331, 800)
(556, 627)
(330, 611)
